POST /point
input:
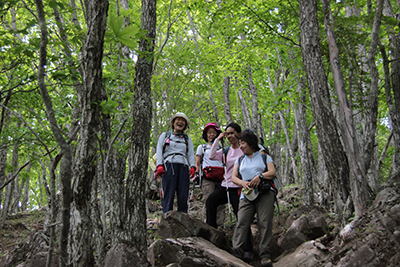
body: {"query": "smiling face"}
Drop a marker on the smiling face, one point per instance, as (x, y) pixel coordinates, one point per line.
(211, 134)
(179, 124)
(244, 146)
(231, 135)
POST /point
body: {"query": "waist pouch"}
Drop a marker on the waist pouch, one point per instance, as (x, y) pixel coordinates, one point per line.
(215, 174)
(264, 186)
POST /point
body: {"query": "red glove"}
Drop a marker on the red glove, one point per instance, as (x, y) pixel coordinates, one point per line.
(192, 172)
(160, 170)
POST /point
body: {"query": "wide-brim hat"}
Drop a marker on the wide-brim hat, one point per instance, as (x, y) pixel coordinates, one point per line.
(250, 194)
(182, 115)
(209, 125)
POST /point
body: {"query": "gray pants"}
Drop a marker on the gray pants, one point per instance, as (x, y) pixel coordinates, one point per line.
(263, 205)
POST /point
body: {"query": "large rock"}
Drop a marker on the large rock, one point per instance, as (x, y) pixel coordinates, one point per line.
(291, 239)
(190, 252)
(306, 227)
(363, 256)
(175, 224)
(124, 255)
(307, 255)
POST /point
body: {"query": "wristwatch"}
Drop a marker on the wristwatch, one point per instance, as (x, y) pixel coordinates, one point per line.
(261, 176)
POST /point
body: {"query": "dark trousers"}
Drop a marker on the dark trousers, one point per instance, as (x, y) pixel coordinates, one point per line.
(220, 197)
(175, 179)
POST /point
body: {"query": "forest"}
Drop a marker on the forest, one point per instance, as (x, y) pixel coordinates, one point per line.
(87, 87)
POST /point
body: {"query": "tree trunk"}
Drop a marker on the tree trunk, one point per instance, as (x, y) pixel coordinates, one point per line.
(371, 113)
(139, 156)
(245, 109)
(10, 188)
(227, 106)
(358, 179)
(328, 138)
(25, 198)
(256, 124)
(66, 165)
(3, 164)
(394, 102)
(290, 154)
(90, 98)
(304, 142)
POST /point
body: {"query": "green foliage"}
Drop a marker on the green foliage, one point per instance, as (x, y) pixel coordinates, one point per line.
(193, 58)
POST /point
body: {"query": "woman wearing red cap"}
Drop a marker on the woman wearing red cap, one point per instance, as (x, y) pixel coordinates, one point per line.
(175, 156)
(212, 171)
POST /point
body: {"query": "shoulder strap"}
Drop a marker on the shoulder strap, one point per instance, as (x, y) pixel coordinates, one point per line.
(240, 161)
(226, 150)
(166, 137)
(264, 157)
(203, 151)
(185, 136)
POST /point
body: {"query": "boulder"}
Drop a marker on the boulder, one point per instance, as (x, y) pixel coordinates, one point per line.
(175, 224)
(385, 197)
(291, 239)
(307, 255)
(125, 255)
(361, 257)
(306, 227)
(190, 252)
(394, 213)
(317, 227)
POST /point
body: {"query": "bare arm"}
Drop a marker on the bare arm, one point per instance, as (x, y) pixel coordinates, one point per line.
(198, 161)
(236, 180)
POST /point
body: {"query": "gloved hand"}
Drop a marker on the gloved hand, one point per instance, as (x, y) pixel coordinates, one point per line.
(160, 170)
(192, 172)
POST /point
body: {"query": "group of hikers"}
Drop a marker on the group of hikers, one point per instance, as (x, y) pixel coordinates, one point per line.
(239, 175)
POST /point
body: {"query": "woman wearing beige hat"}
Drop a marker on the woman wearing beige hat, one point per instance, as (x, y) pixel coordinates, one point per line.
(175, 163)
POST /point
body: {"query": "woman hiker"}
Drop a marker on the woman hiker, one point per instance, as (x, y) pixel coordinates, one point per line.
(175, 163)
(253, 173)
(220, 195)
(212, 171)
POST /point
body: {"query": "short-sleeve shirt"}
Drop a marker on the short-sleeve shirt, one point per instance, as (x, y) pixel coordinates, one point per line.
(206, 160)
(251, 167)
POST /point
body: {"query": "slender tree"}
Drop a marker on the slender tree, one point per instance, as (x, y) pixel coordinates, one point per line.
(138, 159)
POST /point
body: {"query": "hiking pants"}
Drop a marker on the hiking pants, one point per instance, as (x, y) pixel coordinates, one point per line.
(217, 198)
(263, 205)
(176, 179)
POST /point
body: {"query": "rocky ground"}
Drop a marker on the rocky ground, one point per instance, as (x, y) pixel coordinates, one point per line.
(303, 236)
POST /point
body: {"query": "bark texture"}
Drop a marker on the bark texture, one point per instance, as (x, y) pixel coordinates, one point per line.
(359, 186)
(328, 137)
(90, 98)
(138, 160)
(227, 106)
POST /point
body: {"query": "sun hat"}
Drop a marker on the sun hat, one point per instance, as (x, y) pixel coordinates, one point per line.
(250, 194)
(209, 125)
(182, 115)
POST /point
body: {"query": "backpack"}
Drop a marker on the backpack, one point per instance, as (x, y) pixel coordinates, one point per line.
(166, 141)
(275, 184)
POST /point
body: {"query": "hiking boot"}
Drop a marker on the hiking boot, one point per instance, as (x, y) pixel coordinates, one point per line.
(248, 256)
(265, 262)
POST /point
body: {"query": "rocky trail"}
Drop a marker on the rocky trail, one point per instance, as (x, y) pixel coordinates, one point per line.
(303, 236)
